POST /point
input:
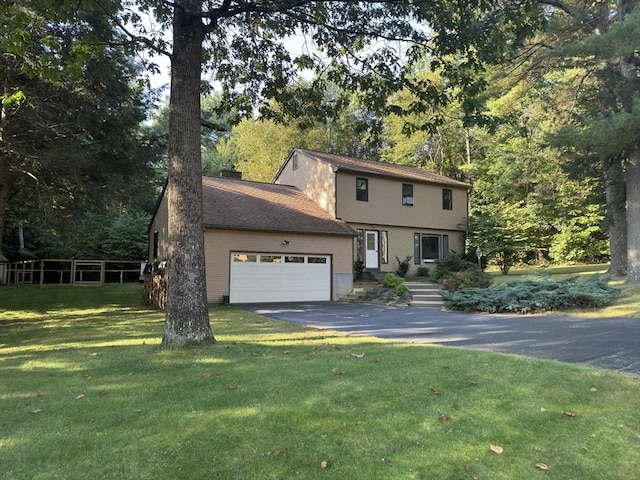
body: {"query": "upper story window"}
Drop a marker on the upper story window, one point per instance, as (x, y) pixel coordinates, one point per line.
(294, 163)
(407, 194)
(447, 199)
(362, 189)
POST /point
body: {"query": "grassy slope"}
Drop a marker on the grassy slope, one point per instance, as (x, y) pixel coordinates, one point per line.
(86, 392)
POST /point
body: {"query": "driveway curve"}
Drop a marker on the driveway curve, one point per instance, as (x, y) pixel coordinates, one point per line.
(610, 343)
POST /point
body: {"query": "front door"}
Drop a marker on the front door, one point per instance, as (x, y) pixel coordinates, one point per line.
(372, 254)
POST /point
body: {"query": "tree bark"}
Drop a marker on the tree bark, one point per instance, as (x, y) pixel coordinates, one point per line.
(633, 215)
(630, 87)
(187, 315)
(616, 215)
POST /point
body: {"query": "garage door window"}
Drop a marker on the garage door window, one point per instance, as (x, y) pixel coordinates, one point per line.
(317, 259)
(243, 257)
(294, 259)
(270, 259)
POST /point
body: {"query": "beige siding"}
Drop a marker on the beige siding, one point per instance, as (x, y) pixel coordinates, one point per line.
(400, 244)
(384, 206)
(314, 178)
(220, 243)
(160, 224)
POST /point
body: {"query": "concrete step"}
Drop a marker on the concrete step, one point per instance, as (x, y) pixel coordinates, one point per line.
(425, 294)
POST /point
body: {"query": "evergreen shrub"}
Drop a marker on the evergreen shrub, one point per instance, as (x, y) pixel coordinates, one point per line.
(453, 263)
(392, 280)
(422, 271)
(467, 279)
(530, 296)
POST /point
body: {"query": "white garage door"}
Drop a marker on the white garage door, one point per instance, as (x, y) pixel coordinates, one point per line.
(260, 277)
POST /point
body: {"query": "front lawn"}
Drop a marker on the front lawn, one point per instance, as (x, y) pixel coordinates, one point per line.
(86, 392)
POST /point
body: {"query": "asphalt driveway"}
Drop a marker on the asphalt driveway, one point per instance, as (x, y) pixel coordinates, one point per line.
(611, 343)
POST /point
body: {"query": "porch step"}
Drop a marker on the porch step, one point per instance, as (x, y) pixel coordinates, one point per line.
(425, 294)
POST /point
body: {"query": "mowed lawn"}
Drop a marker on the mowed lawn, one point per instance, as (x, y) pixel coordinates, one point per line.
(86, 392)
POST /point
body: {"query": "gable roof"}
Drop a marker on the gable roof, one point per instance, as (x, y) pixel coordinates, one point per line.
(235, 204)
(370, 167)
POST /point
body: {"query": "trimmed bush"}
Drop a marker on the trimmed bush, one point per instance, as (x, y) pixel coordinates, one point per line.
(391, 280)
(530, 296)
(451, 264)
(472, 278)
(422, 271)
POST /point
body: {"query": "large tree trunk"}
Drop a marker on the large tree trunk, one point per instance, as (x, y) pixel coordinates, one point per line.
(616, 215)
(630, 87)
(633, 215)
(187, 316)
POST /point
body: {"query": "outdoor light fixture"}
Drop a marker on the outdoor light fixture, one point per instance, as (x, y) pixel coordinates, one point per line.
(286, 242)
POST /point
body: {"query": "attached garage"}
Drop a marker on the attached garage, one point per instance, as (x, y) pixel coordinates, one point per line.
(277, 277)
(265, 243)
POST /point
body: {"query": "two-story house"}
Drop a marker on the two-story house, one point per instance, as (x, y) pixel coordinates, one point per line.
(296, 239)
(398, 211)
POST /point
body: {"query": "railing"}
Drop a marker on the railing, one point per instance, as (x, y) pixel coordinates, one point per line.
(74, 272)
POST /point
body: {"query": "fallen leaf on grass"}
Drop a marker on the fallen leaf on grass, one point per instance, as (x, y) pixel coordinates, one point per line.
(542, 409)
(232, 387)
(80, 396)
(40, 393)
(386, 462)
(569, 414)
(286, 352)
(445, 418)
(436, 390)
(37, 410)
(358, 355)
(593, 389)
(207, 376)
(335, 371)
(323, 464)
(496, 449)
(542, 466)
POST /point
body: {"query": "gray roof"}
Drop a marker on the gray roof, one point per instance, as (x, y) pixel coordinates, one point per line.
(242, 205)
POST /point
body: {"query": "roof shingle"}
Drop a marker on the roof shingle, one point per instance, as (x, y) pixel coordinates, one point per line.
(244, 205)
(382, 168)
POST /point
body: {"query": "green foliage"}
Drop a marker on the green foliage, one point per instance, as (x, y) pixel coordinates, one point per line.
(392, 281)
(403, 266)
(530, 296)
(358, 269)
(127, 237)
(580, 239)
(401, 289)
(422, 271)
(451, 264)
(471, 278)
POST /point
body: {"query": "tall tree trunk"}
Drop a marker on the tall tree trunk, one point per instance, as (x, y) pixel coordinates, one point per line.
(616, 215)
(187, 316)
(630, 87)
(633, 215)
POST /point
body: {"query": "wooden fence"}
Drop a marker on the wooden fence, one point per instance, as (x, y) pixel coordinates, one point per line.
(72, 272)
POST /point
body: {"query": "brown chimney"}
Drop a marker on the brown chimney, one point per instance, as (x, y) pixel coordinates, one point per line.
(230, 173)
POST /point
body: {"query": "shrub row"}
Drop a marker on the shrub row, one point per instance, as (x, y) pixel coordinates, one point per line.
(530, 296)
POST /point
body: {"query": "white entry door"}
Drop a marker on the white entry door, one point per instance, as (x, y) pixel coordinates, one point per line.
(372, 251)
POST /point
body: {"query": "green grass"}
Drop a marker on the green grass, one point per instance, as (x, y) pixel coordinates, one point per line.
(86, 392)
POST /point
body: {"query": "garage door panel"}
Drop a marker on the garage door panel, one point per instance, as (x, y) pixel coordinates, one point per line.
(280, 278)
